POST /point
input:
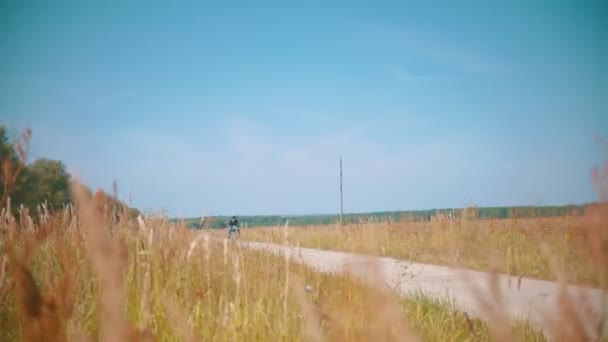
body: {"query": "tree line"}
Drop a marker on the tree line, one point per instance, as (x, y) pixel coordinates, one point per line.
(215, 222)
(41, 182)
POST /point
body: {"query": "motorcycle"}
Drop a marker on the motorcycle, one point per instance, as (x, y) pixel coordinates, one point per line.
(234, 232)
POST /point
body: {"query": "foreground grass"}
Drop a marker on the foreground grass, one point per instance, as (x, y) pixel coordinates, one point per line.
(514, 246)
(69, 279)
(65, 280)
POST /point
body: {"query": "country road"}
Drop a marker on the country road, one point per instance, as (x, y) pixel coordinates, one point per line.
(527, 298)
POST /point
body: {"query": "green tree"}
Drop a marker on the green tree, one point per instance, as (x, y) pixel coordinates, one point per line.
(7, 150)
(44, 180)
(6, 153)
(12, 161)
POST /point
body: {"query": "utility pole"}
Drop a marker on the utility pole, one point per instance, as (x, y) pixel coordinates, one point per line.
(341, 200)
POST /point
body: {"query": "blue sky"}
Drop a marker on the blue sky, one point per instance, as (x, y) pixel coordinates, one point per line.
(243, 108)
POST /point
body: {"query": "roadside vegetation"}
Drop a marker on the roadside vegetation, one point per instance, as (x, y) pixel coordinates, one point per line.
(519, 247)
(39, 183)
(75, 278)
(384, 216)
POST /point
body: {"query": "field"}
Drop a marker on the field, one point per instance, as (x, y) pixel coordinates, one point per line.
(82, 276)
(93, 273)
(519, 247)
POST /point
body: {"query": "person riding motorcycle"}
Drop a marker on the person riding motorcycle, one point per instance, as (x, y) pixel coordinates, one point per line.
(233, 226)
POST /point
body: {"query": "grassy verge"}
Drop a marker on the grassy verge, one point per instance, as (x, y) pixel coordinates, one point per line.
(74, 277)
(514, 246)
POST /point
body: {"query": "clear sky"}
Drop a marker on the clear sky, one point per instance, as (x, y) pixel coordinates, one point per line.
(243, 108)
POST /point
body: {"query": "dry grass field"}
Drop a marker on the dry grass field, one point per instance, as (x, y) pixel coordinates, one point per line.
(514, 246)
(77, 276)
(87, 273)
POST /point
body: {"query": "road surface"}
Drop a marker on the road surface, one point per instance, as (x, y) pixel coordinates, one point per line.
(531, 299)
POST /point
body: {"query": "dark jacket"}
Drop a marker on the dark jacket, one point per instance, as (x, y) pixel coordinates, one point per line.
(233, 223)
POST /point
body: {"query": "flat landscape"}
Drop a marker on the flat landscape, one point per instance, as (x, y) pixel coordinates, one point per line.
(150, 280)
(283, 171)
(518, 247)
(488, 296)
(100, 270)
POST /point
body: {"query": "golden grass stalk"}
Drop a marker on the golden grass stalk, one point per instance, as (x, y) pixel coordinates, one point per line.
(108, 264)
(179, 320)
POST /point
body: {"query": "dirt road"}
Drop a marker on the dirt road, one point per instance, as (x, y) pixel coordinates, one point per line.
(535, 300)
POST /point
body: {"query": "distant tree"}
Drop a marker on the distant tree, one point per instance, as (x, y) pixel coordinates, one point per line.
(7, 152)
(12, 161)
(7, 149)
(44, 180)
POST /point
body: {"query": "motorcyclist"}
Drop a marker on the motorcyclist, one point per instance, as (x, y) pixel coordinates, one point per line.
(233, 226)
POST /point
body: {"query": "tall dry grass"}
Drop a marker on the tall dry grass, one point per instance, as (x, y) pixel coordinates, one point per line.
(569, 249)
(459, 241)
(76, 275)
